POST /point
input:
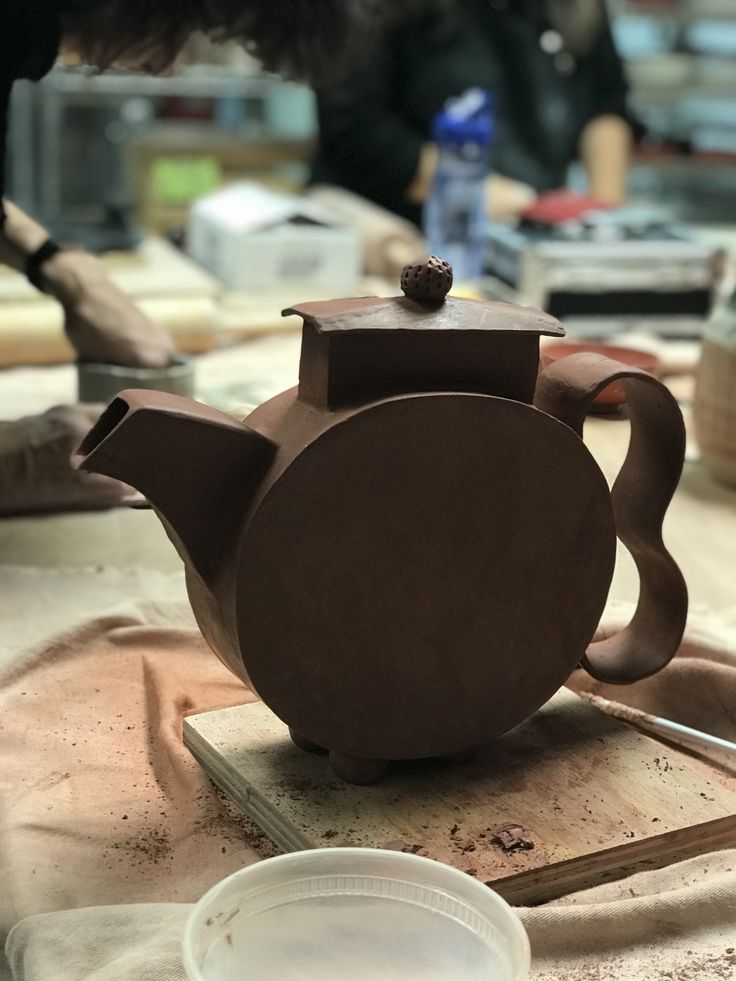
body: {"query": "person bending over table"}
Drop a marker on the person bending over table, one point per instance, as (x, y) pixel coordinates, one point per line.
(559, 94)
(309, 39)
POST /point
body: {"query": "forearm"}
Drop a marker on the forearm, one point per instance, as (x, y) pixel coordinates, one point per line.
(605, 149)
(64, 276)
(418, 190)
(21, 236)
(102, 323)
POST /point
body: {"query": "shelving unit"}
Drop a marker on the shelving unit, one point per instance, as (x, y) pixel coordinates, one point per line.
(681, 60)
(41, 156)
(680, 56)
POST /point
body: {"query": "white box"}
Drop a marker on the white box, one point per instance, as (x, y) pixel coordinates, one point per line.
(253, 238)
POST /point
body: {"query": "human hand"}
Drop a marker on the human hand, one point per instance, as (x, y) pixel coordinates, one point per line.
(506, 198)
(36, 474)
(102, 323)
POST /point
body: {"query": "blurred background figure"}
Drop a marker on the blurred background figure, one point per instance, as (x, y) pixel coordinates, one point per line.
(558, 89)
(101, 323)
(219, 192)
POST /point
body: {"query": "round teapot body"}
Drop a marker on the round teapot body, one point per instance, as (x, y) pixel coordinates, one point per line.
(419, 575)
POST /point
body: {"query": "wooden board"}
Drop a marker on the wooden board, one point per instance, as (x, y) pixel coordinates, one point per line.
(596, 799)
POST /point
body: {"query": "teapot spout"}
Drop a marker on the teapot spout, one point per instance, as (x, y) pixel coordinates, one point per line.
(197, 466)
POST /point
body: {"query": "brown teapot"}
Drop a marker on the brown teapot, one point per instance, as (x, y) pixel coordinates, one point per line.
(408, 554)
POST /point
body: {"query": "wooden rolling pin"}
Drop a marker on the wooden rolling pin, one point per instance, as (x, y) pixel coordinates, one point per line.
(33, 332)
(389, 242)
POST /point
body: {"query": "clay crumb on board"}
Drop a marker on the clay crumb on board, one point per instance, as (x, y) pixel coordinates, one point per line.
(511, 838)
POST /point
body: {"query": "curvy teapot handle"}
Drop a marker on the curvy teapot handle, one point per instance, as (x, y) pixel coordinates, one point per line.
(640, 497)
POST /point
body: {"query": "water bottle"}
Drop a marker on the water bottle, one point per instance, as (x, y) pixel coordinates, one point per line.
(455, 211)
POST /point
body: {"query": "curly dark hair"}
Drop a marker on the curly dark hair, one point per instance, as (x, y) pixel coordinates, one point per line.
(309, 40)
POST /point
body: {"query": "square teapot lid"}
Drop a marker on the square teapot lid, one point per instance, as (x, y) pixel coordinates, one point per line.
(425, 307)
(373, 313)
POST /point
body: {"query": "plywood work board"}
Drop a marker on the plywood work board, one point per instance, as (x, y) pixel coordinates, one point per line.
(586, 798)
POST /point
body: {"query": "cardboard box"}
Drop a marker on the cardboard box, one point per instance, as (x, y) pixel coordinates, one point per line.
(253, 238)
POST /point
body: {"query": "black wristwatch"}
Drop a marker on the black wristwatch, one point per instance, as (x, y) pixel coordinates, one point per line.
(36, 260)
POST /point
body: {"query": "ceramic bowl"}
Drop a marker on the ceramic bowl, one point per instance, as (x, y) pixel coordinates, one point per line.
(613, 397)
(100, 383)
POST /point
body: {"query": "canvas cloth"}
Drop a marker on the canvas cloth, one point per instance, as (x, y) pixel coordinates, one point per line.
(102, 809)
(676, 924)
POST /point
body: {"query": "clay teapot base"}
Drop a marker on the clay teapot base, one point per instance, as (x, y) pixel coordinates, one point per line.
(362, 772)
(348, 768)
(464, 583)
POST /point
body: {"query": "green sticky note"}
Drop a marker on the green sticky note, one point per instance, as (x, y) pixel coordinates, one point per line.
(180, 180)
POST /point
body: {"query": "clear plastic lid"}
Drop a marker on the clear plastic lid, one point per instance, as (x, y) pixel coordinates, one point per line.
(358, 914)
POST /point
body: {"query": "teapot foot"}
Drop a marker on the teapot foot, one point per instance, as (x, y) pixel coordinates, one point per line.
(462, 756)
(353, 770)
(306, 744)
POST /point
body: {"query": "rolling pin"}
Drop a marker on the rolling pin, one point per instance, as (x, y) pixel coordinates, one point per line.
(33, 332)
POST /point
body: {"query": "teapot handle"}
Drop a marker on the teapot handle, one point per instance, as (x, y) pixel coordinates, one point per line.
(640, 497)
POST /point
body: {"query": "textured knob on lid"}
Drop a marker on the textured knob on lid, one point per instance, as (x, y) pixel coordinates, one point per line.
(427, 282)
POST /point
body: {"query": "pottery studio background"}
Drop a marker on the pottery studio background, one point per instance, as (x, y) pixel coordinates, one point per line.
(129, 166)
(215, 200)
(218, 194)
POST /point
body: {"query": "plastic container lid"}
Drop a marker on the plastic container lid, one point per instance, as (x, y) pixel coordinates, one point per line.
(361, 914)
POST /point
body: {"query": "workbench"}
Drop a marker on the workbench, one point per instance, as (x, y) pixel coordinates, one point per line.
(58, 588)
(700, 527)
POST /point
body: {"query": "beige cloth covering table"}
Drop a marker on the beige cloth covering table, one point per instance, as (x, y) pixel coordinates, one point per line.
(106, 820)
(676, 924)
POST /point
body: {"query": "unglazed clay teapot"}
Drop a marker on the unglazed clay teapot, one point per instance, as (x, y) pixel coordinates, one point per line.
(408, 554)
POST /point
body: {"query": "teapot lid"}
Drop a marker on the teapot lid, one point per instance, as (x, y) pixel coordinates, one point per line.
(426, 307)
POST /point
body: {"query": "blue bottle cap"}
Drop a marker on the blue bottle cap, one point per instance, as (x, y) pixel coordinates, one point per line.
(467, 119)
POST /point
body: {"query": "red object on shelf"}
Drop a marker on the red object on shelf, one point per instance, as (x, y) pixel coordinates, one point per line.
(558, 207)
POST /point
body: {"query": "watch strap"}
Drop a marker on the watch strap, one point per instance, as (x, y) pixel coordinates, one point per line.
(36, 261)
